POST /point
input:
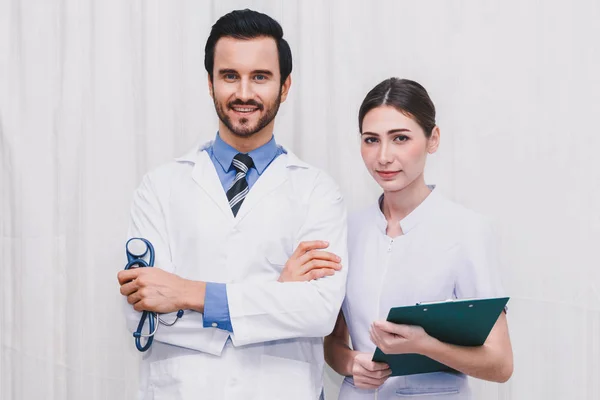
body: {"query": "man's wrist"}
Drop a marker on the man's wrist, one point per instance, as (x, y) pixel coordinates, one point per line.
(193, 295)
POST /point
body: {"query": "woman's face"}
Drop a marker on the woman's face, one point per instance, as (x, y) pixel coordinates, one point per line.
(394, 147)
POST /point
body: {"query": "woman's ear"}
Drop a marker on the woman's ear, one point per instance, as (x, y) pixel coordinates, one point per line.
(434, 140)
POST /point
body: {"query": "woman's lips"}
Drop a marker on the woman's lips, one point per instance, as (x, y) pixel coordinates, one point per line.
(387, 174)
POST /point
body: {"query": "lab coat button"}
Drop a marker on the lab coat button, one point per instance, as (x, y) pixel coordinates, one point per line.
(214, 325)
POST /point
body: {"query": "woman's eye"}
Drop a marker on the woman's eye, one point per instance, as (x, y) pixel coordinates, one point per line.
(401, 138)
(370, 140)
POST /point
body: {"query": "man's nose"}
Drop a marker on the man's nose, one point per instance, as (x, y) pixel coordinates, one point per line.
(244, 90)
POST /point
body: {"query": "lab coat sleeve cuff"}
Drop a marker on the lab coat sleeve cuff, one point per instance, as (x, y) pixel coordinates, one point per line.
(216, 307)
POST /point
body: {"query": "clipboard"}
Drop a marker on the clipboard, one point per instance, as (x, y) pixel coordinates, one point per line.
(464, 322)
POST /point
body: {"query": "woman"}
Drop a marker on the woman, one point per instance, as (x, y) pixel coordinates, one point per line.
(413, 245)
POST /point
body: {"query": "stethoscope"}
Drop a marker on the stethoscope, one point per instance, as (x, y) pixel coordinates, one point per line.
(140, 253)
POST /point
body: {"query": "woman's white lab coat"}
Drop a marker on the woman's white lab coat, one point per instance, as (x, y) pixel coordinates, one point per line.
(446, 252)
(275, 350)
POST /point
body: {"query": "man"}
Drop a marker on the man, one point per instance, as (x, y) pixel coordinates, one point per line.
(239, 226)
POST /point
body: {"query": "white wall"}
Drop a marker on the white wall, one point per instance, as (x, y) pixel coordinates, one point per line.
(94, 93)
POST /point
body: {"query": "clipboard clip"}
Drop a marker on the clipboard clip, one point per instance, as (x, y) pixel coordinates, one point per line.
(444, 301)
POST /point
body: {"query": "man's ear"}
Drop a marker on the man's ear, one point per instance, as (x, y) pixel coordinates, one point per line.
(210, 87)
(285, 88)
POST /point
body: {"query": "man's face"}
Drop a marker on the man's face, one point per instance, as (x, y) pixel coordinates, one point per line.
(246, 86)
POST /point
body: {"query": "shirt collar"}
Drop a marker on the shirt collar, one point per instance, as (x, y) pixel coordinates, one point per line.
(194, 154)
(419, 214)
(261, 156)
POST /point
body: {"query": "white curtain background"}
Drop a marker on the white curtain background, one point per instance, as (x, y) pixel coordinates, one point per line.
(95, 93)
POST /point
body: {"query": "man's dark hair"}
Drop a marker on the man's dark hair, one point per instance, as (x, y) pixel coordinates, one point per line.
(247, 24)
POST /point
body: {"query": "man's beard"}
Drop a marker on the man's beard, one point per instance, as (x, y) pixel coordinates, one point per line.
(246, 131)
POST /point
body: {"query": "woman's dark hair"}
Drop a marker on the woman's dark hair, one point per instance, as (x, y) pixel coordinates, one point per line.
(247, 24)
(408, 97)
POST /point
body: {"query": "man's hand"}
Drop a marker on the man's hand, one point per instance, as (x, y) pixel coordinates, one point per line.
(309, 262)
(368, 374)
(153, 289)
(399, 339)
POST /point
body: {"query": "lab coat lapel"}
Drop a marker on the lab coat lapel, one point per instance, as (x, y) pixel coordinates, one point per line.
(206, 177)
(272, 178)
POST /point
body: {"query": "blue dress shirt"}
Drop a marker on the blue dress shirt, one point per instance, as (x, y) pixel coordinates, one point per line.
(216, 305)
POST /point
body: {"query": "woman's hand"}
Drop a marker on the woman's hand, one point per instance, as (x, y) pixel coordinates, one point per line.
(399, 339)
(368, 374)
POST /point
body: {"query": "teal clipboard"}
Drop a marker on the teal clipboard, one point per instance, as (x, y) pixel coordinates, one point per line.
(464, 322)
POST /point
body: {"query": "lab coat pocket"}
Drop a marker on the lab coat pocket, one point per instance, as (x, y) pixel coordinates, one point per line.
(285, 379)
(444, 385)
(176, 378)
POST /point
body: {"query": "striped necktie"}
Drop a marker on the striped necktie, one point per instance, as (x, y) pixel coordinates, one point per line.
(239, 188)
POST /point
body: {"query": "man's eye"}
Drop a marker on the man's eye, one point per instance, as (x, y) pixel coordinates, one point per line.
(260, 77)
(229, 77)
